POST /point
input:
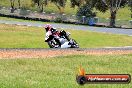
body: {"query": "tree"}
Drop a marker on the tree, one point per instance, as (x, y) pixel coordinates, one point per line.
(85, 11)
(103, 6)
(112, 5)
(77, 3)
(40, 4)
(19, 4)
(12, 2)
(130, 4)
(60, 4)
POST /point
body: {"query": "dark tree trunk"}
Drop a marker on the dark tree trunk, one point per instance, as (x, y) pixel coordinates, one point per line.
(42, 8)
(19, 4)
(12, 7)
(12, 10)
(38, 4)
(112, 18)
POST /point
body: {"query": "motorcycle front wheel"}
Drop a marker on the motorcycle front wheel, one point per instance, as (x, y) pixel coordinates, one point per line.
(74, 44)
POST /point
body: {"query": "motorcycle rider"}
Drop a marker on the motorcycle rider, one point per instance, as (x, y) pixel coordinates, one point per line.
(55, 33)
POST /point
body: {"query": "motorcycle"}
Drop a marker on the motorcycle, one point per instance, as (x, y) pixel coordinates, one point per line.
(64, 42)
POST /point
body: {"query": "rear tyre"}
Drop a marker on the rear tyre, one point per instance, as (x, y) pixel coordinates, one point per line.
(50, 44)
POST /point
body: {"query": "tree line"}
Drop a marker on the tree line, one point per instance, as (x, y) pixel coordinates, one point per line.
(102, 5)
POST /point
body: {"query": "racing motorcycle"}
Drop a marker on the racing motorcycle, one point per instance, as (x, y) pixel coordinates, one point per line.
(64, 42)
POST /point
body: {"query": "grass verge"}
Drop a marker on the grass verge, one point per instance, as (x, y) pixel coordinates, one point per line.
(12, 36)
(60, 72)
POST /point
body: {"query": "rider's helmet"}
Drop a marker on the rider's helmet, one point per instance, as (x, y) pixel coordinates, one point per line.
(47, 27)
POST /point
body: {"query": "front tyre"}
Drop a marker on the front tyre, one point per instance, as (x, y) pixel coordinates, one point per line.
(74, 44)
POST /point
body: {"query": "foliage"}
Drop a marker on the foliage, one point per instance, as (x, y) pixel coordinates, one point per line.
(86, 11)
(60, 4)
(58, 19)
(40, 4)
(112, 5)
(77, 3)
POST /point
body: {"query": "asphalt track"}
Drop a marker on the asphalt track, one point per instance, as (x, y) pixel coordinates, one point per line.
(75, 27)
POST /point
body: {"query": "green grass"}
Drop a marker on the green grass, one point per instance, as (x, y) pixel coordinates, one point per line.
(12, 36)
(20, 20)
(21, 37)
(60, 72)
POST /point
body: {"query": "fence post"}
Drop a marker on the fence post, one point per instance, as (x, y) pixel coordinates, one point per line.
(96, 19)
(83, 17)
(52, 16)
(3, 9)
(64, 17)
(131, 22)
